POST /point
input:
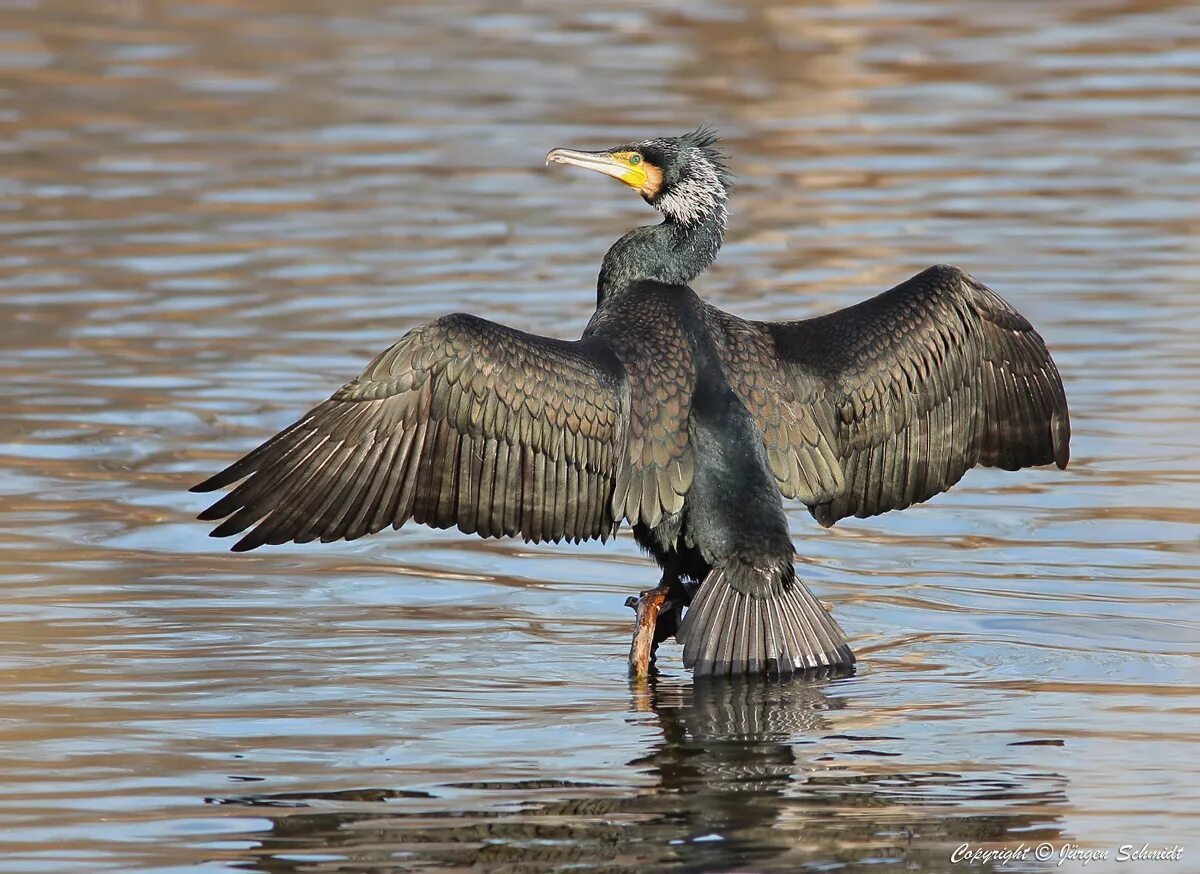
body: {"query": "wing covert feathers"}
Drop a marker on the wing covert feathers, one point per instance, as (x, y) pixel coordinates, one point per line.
(464, 423)
(656, 472)
(799, 437)
(922, 383)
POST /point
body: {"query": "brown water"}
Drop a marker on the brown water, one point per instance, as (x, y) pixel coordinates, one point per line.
(213, 213)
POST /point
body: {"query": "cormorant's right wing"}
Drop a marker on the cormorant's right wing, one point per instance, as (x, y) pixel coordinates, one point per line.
(463, 422)
(921, 384)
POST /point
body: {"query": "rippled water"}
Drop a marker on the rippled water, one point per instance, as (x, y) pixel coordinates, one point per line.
(214, 212)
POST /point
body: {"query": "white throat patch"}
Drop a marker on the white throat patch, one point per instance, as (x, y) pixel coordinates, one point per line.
(696, 197)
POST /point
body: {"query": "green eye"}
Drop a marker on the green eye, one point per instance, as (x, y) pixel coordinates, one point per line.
(635, 159)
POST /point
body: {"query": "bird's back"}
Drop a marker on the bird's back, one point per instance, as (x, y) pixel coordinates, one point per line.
(687, 414)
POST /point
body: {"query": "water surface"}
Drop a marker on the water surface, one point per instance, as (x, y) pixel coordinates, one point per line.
(214, 213)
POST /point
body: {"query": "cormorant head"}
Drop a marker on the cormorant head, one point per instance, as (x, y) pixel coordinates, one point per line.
(683, 177)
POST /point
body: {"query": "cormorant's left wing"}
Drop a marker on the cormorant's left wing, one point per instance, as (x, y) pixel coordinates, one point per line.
(465, 423)
(922, 383)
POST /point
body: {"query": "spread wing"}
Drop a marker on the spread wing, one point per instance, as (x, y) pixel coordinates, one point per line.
(463, 422)
(921, 384)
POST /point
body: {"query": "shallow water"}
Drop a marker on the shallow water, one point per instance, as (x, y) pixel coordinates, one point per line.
(213, 213)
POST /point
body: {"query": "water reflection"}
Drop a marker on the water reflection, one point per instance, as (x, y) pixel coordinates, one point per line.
(742, 777)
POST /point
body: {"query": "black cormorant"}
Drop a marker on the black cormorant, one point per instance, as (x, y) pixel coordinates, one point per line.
(687, 422)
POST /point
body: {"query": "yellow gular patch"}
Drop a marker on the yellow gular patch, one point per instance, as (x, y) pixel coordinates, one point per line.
(632, 169)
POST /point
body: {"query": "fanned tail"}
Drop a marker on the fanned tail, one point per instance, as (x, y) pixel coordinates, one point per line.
(743, 620)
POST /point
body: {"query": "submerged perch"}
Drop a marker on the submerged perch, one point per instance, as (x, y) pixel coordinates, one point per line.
(646, 608)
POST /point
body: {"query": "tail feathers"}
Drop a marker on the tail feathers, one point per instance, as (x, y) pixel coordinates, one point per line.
(746, 627)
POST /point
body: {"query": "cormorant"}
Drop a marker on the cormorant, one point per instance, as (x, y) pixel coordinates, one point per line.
(687, 422)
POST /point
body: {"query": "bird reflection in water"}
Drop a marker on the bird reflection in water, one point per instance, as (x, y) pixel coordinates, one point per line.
(748, 775)
(732, 748)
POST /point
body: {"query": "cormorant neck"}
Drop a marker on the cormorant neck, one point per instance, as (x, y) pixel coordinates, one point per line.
(672, 252)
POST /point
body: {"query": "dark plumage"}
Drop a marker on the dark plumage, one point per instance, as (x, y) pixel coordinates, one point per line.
(685, 421)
